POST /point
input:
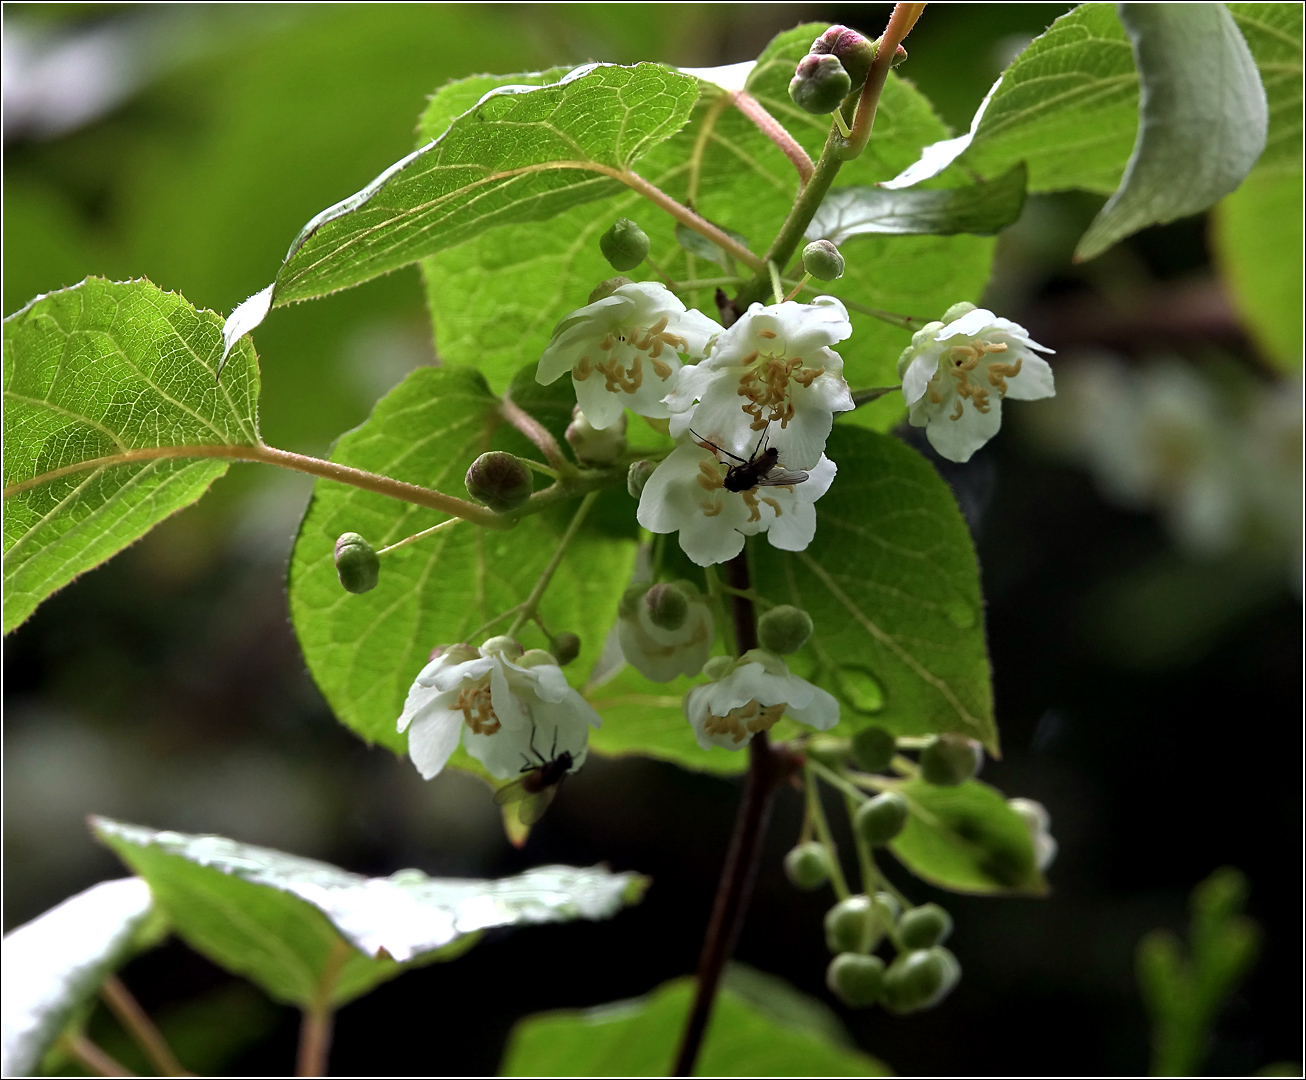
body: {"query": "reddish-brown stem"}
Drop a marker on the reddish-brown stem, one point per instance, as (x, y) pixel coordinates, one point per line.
(900, 23)
(767, 768)
(130, 1014)
(769, 126)
(538, 434)
(80, 1048)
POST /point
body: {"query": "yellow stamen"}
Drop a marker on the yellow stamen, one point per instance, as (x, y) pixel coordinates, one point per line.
(477, 700)
(744, 721)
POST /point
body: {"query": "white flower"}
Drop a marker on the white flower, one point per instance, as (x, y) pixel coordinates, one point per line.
(955, 374)
(512, 714)
(685, 494)
(752, 697)
(622, 351)
(1038, 822)
(662, 640)
(772, 367)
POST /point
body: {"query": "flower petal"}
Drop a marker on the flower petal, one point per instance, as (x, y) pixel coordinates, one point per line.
(433, 739)
(822, 712)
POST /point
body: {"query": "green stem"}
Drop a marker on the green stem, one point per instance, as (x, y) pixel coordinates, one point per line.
(837, 880)
(776, 288)
(865, 397)
(799, 287)
(706, 283)
(906, 322)
(865, 861)
(529, 606)
(417, 536)
(835, 780)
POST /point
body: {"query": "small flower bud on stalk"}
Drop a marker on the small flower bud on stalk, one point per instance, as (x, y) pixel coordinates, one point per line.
(852, 926)
(821, 259)
(951, 760)
(357, 564)
(853, 51)
(784, 629)
(500, 480)
(820, 84)
(873, 749)
(596, 446)
(565, 647)
(924, 927)
(807, 866)
(920, 979)
(505, 646)
(638, 476)
(625, 245)
(668, 606)
(855, 980)
(881, 819)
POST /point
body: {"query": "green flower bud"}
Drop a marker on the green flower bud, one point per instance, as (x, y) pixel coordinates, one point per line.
(852, 50)
(718, 667)
(873, 749)
(819, 84)
(854, 979)
(607, 287)
(923, 927)
(950, 760)
(356, 563)
(886, 909)
(565, 647)
(957, 311)
(881, 819)
(822, 260)
(508, 648)
(625, 245)
(535, 657)
(828, 750)
(784, 629)
(920, 979)
(500, 480)
(596, 446)
(668, 607)
(850, 926)
(458, 654)
(637, 476)
(807, 866)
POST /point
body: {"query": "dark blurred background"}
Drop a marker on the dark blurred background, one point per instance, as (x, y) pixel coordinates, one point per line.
(1145, 628)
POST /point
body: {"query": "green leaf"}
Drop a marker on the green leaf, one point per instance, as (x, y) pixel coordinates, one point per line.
(1258, 238)
(55, 964)
(1202, 120)
(365, 650)
(308, 932)
(1274, 34)
(113, 420)
(495, 300)
(760, 1026)
(981, 208)
(966, 839)
(522, 153)
(892, 585)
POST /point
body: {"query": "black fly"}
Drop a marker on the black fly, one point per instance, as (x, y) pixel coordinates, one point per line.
(761, 469)
(538, 784)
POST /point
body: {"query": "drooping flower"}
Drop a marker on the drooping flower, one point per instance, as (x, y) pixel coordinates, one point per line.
(686, 494)
(751, 694)
(773, 371)
(956, 372)
(1039, 823)
(512, 710)
(666, 630)
(624, 349)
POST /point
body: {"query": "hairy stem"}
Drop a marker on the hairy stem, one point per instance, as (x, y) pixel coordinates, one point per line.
(768, 767)
(539, 435)
(900, 23)
(417, 536)
(141, 1028)
(769, 126)
(531, 604)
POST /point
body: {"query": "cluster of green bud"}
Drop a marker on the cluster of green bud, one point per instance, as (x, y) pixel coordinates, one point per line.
(500, 480)
(595, 446)
(835, 67)
(854, 53)
(807, 866)
(784, 629)
(880, 819)
(625, 245)
(949, 760)
(357, 564)
(873, 748)
(821, 259)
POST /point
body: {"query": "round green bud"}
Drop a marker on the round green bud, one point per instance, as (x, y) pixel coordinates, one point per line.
(886, 909)
(807, 866)
(565, 647)
(784, 629)
(607, 287)
(916, 980)
(853, 51)
(596, 446)
(819, 84)
(873, 749)
(536, 657)
(949, 760)
(718, 667)
(828, 750)
(508, 648)
(850, 926)
(881, 819)
(965, 307)
(625, 245)
(822, 260)
(668, 607)
(500, 480)
(924, 926)
(854, 979)
(357, 564)
(637, 476)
